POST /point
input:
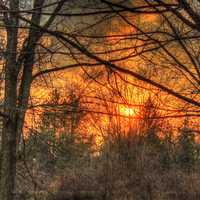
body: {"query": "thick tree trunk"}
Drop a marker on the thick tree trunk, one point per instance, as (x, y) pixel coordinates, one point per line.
(8, 150)
(8, 163)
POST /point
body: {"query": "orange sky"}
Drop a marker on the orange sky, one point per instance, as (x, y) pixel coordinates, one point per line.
(134, 95)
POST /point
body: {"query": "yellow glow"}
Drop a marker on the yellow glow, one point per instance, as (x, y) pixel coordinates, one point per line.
(126, 111)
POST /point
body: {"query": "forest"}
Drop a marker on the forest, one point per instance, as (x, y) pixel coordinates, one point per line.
(99, 99)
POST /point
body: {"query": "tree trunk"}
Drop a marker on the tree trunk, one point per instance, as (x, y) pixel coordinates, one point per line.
(28, 60)
(8, 150)
(16, 102)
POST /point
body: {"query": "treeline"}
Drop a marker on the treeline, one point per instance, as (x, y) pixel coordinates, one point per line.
(148, 161)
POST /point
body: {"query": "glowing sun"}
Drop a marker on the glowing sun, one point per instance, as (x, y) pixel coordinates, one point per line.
(127, 111)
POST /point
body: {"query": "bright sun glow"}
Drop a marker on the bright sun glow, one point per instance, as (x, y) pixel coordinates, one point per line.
(126, 111)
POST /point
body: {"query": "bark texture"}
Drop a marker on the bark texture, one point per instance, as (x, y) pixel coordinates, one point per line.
(8, 151)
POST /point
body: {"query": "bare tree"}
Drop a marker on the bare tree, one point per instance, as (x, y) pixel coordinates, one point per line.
(155, 47)
(165, 47)
(24, 62)
(18, 77)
